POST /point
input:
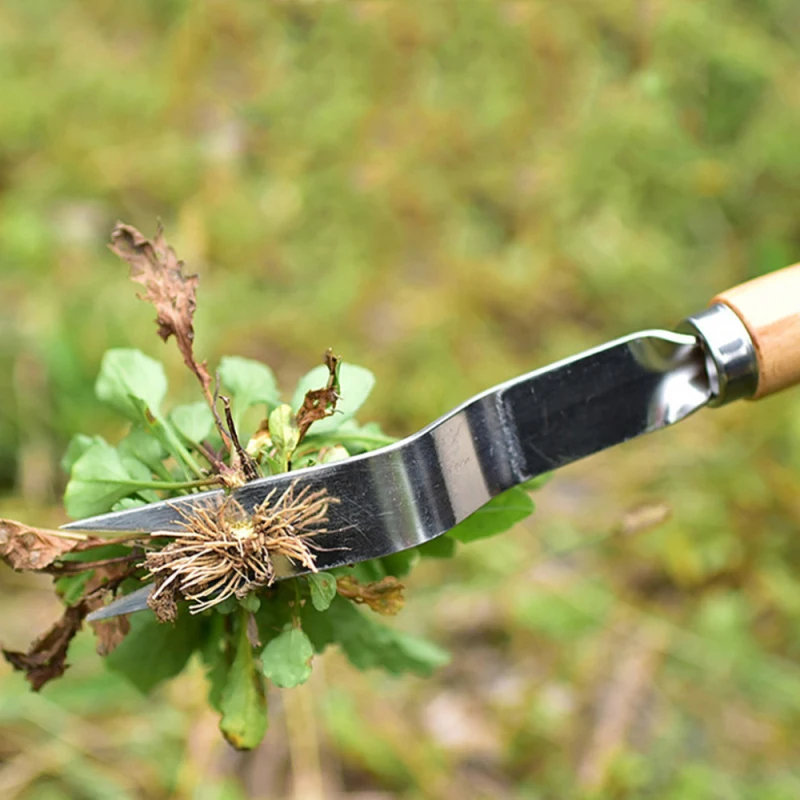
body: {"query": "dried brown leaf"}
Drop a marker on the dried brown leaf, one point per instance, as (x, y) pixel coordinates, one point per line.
(384, 596)
(24, 547)
(155, 265)
(109, 632)
(252, 631)
(260, 440)
(46, 658)
(320, 403)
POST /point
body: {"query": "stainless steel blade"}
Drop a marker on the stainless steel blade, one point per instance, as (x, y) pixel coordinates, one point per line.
(416, 489)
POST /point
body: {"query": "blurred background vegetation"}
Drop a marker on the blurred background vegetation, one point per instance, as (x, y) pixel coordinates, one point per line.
(449, 193)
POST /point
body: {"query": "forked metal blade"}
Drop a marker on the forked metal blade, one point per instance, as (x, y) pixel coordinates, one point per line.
(416, 489)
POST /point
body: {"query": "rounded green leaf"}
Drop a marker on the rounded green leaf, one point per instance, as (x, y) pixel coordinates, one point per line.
(286, 660)
(193, 421)
(154, 651)
(250, 603)
(126, 373)
(498, 515)
(78, 445)
(440, 547)
(367, 643)
(249, 382)
(144, 446)
(99, 479)
(323, 589)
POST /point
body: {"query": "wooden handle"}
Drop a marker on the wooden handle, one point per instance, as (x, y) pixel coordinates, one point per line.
(769, 307)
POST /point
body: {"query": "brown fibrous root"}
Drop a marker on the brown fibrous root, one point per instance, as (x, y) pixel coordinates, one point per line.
(223, 551)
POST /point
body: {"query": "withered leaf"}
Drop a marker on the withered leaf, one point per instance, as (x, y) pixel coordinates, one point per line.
(384, 596)
(24, 547)
(260, 440)
(46, 658)
(109, 632)
(252, 631)
(320, 403)
(174, 295)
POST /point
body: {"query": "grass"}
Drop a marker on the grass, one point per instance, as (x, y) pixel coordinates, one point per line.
(450, 194)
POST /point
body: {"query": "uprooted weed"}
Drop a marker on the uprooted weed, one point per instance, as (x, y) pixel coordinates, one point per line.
(217, 576)
(222, 551)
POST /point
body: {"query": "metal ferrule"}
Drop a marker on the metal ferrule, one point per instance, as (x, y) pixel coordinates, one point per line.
(731, 359)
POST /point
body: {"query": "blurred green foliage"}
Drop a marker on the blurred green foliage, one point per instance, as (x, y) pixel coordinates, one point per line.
(449, 193)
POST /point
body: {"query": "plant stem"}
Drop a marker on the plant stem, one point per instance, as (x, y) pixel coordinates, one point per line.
(163, 485)
(248, 465)
(183, 454)
(161, 471)
(212, 404)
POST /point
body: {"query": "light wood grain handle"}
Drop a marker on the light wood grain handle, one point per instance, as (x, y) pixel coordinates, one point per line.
(769, 307)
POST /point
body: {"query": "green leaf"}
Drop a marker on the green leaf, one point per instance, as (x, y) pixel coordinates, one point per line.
(127, 503)
(99, 479)
(77, 446)
(135, 469)
(145, 447)
(300, 462)
(153, 651)
(193, 421)
(227, 606)
(276, 609)
(363, 571)
(249, 382)
(536, 483)
(243, 702)
(498, 515)
(110, 550)
(440, 547)
(216, 658)
(284, 432)
(355, 384)
(126, 374)
(286, 660)
(368, 643)
(397, 565)
(400, 564)
(251, 603)
(323, 589)
(165, 434)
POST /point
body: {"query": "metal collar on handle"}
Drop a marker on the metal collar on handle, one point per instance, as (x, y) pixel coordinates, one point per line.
(731, 358)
